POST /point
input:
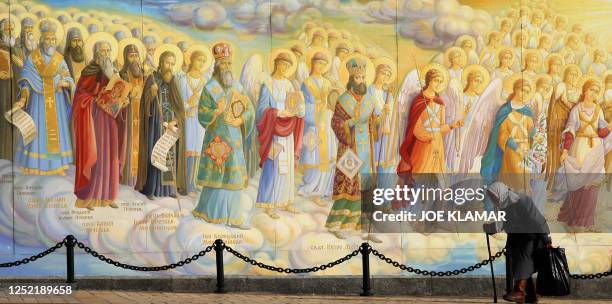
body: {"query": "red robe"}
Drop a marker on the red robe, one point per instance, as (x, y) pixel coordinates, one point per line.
(418, 106)
(283, 127)
(99, 141)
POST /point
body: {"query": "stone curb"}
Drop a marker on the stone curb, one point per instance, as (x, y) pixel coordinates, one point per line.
(467, 286)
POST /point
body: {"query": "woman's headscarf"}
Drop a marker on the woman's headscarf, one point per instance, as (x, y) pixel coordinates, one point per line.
(502, 195)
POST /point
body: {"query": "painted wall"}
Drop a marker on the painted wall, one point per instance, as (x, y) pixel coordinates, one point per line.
(37, 211)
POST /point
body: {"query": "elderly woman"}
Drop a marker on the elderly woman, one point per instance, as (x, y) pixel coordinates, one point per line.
(527, 231)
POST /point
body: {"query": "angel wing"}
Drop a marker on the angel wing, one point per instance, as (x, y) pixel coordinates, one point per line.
(480, 126)
(480, 44)
(411, 87)
(453, 101)
(585, 63)
(252, 77)
(438, 58)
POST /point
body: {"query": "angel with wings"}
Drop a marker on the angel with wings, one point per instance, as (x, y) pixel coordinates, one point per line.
(565, 96)
(537, 156)
(455, 60)
(554, 64)
(594, 63)
(532, 62)
(468, 44)
(279, 121)
(387, 146)
(505, 59)
(461, 99)
(506, 155)
(489, 52)
(422, 150)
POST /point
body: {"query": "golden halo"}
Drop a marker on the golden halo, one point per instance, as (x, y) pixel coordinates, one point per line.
(15, 21)
(70, 25)
(431, 66)
(605, 54)
(28, 15)
(315, 30)
(57, 14)
(569, 66)
(134, 25)
(462, 55)
(101, 36)
(312, 52)
(486, 77)
(168, 34)
(115, 18)
(502, 49)
(273, 56)
(114, 28)
(532, 52)
(90, 21)
(538, 78)
(59, 32)
(586, 78)
(202, 48)
(127, 41)
(178, 54)
(39, 8)
(551, 57)
(605, 75)
(80, 15)
(463, 38)
(370, 70)
(155, 36)
(510, 80)
(387, 61)
(17, 9)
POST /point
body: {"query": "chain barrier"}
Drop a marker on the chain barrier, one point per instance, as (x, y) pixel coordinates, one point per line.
(110, 261)
(254, 262)
(34, 257)
(437, 273)
(292, 270)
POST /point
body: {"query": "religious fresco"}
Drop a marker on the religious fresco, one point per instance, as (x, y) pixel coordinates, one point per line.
(158, 126)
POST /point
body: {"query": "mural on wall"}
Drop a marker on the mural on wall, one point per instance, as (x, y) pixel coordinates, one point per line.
(148, 129)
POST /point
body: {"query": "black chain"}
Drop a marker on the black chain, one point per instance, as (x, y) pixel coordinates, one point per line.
(184, 262)
(292, 270)
(591, 276)
(437, 273)
(254, 262)
(34, 257)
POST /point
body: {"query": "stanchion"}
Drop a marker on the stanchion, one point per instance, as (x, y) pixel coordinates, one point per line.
(492, 273)
(219, 247)
(365, 259)
(70, 242)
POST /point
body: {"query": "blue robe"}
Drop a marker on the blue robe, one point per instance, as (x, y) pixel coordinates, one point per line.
(46, 154)
(492, 158)
(318, 162)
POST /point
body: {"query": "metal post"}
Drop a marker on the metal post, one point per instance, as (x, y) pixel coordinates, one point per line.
(219, 247)
(492, 273)
(70, 242)
(365, 259)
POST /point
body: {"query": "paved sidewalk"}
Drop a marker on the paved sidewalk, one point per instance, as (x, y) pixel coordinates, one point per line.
(104, 297)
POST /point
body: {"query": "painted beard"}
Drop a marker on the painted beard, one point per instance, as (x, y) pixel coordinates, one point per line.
(76, 54)
(10, 41)
(135, 69)
(48, 49)
(166, 75)
(107, 66)
(359, 89)
(227, 79)
(29, 42)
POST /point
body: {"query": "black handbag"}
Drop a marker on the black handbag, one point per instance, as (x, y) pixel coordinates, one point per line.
(553, 273)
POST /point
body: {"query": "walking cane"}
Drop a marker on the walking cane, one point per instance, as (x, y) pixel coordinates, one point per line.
(492, 273)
